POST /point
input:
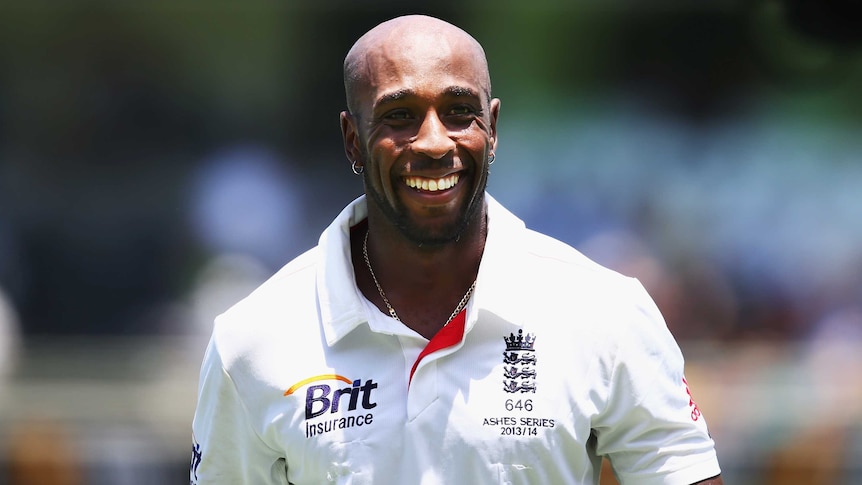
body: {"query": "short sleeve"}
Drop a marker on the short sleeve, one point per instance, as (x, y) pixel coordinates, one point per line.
(651, 429)
(226, 448)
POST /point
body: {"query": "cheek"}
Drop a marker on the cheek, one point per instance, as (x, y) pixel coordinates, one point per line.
(384, 153)
(474, 141)
(383, 156)
(482, 126)
(479, 130)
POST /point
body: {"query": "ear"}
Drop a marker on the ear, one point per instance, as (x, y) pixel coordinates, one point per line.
(350, 136)
(494, 109)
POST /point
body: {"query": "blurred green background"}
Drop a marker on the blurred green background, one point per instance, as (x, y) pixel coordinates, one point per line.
(159, 159)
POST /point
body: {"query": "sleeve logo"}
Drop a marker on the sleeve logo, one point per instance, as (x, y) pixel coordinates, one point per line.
(196, 461)
(695, 410)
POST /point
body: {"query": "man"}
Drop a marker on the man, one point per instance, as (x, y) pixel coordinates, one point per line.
(430, 338)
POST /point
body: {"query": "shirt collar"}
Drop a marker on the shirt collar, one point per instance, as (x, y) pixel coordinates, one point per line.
(341, 307)
(341, 302)
(497, 290)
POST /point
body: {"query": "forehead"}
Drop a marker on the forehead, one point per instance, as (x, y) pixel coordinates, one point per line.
(429, 63)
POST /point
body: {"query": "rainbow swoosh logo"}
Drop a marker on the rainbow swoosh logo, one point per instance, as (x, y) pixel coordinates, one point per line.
(322, 377)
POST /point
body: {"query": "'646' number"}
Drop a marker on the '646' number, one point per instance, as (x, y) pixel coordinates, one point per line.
(525, 404)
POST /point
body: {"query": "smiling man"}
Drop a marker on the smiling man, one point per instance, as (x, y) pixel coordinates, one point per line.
(431, 338)
(422, 125)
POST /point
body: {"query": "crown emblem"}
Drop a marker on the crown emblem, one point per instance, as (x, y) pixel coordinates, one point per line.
(520, 342)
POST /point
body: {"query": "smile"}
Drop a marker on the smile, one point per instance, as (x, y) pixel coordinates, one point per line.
(432, 185)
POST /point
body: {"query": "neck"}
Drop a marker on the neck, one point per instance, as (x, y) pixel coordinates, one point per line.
(423, 283)
(393, 252)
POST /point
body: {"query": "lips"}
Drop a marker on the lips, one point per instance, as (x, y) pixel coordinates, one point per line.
(432, 184)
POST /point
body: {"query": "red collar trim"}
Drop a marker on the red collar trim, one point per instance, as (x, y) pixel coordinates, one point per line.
(448, 336)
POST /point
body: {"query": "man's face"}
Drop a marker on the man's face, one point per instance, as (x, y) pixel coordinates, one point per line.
(425, 128)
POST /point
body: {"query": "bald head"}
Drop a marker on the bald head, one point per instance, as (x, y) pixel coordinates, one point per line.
(409, 37)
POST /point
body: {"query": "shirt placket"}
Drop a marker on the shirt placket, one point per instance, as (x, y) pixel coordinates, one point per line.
(423, 384)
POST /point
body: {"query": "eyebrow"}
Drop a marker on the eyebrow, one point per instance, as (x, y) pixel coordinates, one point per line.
(393, 96)
(406, 93)
(461, 91)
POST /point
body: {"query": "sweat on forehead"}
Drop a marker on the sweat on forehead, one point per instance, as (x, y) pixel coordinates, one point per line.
(410, 35)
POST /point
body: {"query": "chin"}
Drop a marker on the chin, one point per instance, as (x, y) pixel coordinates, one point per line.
(443, 233)
(429, 230)
(431, 237)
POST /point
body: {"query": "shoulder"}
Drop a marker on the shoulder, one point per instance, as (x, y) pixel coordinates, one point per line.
(526, 268)
(271, 311)
(511, 244)
(563, 268)
(583, 293)
(542, 246)
(296, 276)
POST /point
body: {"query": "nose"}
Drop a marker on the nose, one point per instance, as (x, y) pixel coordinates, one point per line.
(433, 138)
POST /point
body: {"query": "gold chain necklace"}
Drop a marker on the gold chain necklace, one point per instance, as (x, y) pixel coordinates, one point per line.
(392, 313)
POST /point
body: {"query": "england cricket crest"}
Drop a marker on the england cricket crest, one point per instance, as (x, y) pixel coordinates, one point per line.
(519, 359)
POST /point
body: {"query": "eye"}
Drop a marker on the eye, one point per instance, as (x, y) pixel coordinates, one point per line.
(397, 115)
(462, 110)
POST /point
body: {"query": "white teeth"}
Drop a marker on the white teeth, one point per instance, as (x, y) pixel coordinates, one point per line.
(432, 185)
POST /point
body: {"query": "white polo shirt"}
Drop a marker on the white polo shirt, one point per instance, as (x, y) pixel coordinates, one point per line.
(555, 362)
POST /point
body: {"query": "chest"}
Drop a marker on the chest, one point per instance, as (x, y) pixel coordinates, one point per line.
(498, 404)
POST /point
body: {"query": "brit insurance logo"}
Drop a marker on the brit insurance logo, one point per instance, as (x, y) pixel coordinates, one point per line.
(519, 363)
(330, 406)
